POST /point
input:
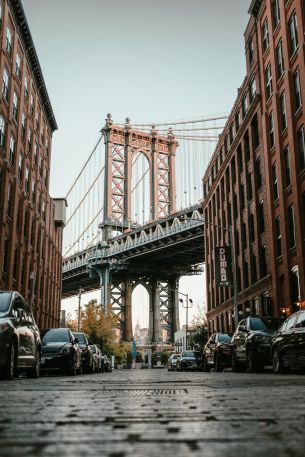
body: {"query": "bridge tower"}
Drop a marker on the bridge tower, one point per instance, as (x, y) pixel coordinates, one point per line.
(122, 143)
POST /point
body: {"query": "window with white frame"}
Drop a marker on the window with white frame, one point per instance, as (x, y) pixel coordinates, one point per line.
(27, 180)
(283, 111)
(8, 41)
(280, 59)
(23, 120)
(2, 131)
(20, 167)
(15, 106)
(278, 237)
(271, 130)
(12, 150)
(26, 87)
(276, 17)
(301, 147)
(275, 182)
(268, 76)
(252, 88)
(18, 66)
(297, 90)
(265, 33)
(5, 83)
(244, 105)
(293, 33)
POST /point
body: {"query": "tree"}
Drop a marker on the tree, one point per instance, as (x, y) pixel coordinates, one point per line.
(99, 327)
(200, 336)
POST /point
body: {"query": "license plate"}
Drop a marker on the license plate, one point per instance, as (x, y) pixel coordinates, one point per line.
(42, 360)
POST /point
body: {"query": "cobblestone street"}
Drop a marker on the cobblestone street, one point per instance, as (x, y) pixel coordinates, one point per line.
(154, 413)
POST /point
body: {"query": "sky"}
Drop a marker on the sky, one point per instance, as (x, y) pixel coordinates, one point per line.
(147, 60)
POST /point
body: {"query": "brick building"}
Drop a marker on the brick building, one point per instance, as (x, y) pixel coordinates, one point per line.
(31, 222)
(255, 181)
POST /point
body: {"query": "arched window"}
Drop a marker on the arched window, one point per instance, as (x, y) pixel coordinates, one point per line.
(2, 130)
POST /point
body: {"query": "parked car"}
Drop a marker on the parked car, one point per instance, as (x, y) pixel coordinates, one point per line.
(217, 352)
(60, 351)
(172, 362)
(20, 344)
(288, 344)
(251, 343)
(106, 364)
(97, 358)
(87, 353)
(187, 361)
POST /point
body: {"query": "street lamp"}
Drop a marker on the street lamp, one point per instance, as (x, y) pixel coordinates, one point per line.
(189, 304)
(232, 243)
(79, 307)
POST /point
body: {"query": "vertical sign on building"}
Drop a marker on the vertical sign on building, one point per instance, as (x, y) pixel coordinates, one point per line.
(223, 266)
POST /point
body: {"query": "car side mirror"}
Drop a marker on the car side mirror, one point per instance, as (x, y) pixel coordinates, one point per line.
(243, 328)
(76, 340)
(20, 315)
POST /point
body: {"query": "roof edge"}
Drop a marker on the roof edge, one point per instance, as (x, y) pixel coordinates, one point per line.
(29, 47)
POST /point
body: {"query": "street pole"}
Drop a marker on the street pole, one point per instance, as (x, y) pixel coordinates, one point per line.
(79, 308)
(186, 319)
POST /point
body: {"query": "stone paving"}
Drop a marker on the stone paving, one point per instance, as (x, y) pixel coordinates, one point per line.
(154, 413)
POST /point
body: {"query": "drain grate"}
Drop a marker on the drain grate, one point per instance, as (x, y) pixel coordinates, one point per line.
(143, 392)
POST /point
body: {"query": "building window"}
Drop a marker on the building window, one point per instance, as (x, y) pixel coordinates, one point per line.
(5, 255)
(244, 235)
(287, 167)
(29, 139)
(268, 76)
(251, 228)
(271, 130)
(18, 66)
(263, 259)
(283, 112)
(249, 186)
(275, 182)
(5, 83)
(297, 90)
(251, 51)
(261, 218)
(35, 158)
(16, 263)
(265, 33)
(244, 105)
(241, 197)
(278, 237)
(15, 106)
(2, 131)
(8, 41)
(26, 88)
(12, 150)
(33, 191)
(27, 180)
(293, 33)
(31, 105)
(246, 275)
(247, 146)
(37, 121)
(291, 226)
(255, 133)
(9, 199)
(253, 268)
(275, 13)
(301, 147)
(20, 167)
(258, 174)
(23, 120)
(240, 159)
(303, 206)
(237, 121)
(252, 88)
(280, 60)
(47, 150)
(231, 134)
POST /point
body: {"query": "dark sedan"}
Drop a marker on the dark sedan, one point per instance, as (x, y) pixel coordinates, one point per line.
(187, 361)
(20, 345)
(217, 352)
(88, 365)
(60, 351)
(288, 345)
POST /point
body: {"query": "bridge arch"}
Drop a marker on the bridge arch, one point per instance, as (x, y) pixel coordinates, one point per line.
(140, 311)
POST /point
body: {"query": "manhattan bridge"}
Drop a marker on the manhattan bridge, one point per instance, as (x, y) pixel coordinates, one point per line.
(134, 217)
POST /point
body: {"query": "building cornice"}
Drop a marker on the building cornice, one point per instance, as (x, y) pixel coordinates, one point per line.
(255, 7)
(26, 37)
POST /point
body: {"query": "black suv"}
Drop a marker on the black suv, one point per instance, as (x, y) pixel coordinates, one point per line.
(217, 352)
(251, 343)
(20, 345)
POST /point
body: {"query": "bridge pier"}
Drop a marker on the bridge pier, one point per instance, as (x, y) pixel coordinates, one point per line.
(128, 311)
(156, 311)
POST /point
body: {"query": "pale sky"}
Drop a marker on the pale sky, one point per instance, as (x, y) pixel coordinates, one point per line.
(166, 59)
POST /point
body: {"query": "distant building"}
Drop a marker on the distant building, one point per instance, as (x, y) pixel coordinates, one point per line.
(255, 182)
(180, 339)
(140, 334)
(31, 222)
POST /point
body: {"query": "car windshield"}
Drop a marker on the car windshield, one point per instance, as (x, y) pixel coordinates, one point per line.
(5, 299)
(224, 338)
(265, 324)
(56, 335)
(188, 354)
(174, 356)
(81, 338)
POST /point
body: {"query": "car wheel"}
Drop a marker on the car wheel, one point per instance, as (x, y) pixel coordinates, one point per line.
(217, 363)
(236, 367)
(277, 363)
(10, 367)
(34, 372)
